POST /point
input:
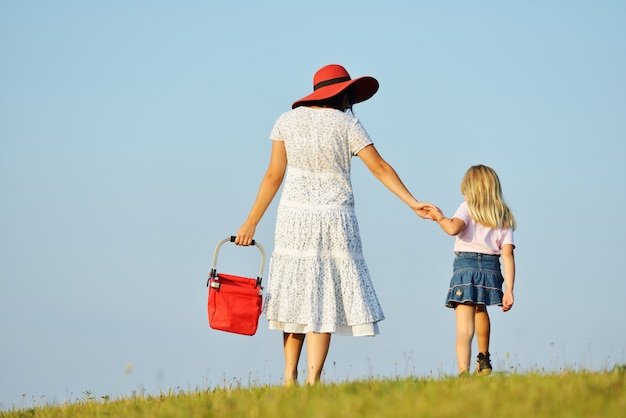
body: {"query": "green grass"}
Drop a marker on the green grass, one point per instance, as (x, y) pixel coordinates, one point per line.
(567, 394)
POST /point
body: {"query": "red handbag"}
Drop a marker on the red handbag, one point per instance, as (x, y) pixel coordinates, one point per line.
(235, 302)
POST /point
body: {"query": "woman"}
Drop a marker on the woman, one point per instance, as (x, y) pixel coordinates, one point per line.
(318, 282)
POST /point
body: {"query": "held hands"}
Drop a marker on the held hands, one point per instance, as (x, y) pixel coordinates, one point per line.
(427, 210)
(432, 212)
(421, 209)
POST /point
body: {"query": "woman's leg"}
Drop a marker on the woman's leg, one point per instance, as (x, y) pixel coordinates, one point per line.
(292, 346)
(483, 328)
(317, 345)
(464, 335)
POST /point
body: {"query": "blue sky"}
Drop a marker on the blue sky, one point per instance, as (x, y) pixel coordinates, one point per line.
(133, 137)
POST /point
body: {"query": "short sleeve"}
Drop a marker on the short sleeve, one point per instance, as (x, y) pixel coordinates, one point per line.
(358, 138)
(507, 237)
(462, 213)
(276, 134)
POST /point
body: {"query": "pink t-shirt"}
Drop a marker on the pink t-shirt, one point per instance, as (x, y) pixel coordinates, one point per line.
(477, 238)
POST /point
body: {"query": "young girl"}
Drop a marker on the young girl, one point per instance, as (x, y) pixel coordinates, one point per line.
(483, 225)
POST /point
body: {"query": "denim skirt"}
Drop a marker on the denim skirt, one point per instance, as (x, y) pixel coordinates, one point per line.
(476, 280)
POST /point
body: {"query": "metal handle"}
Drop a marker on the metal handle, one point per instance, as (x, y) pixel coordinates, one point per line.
(232, 239)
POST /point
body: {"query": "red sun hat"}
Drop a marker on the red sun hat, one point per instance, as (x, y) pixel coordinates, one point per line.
(333, 79)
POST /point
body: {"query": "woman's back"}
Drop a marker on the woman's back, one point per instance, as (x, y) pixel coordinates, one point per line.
(320, 143)
(320, 140)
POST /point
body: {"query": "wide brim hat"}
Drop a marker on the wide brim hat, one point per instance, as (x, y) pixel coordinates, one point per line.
(331, 80)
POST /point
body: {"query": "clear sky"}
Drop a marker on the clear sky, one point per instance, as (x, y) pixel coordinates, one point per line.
(134, 135)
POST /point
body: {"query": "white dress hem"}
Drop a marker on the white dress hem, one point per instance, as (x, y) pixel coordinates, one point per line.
(361, 330)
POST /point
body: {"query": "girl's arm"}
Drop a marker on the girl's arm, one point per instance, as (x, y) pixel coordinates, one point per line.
(451, 226)
(390, 179)
(508, 265)
(269, 186)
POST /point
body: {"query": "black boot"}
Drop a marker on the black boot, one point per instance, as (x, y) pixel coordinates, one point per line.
(483, 364)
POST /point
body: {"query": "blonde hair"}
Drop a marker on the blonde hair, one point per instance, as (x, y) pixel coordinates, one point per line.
(483, 194)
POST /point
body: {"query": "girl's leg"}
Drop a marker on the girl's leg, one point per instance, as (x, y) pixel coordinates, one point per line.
(483, 332)
(317, 345)
(483, 328)
(292, 347)
(464, 335)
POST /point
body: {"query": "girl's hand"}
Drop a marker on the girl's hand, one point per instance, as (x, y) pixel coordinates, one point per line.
(507, 301)
(434, 213)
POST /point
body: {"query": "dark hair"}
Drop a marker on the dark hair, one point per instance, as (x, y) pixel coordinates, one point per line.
(342, 101)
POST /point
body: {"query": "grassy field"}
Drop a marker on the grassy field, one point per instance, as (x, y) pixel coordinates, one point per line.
(567, 394)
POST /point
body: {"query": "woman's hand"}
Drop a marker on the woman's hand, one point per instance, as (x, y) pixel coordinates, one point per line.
(435, 213)
(422, 209)
(245, 235)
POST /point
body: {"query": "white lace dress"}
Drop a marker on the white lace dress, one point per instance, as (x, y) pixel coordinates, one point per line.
(318, 280)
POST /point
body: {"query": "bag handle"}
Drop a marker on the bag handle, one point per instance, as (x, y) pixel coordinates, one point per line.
(259, 278)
